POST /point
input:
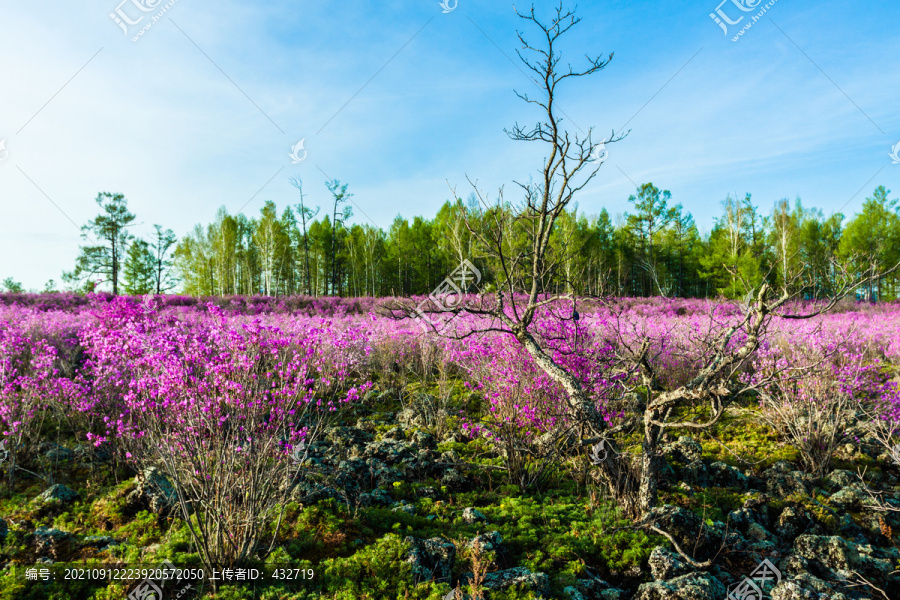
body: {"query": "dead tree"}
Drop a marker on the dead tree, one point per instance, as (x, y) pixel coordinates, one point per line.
(725, 351)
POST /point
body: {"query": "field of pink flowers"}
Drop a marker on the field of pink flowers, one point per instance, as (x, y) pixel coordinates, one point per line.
(196, 366)
(333, 410)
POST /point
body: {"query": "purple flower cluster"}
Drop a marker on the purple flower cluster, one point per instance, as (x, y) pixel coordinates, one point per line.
(190, 369)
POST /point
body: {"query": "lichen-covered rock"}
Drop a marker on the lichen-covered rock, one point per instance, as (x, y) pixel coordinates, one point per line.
(101, 542)
(833, 552)
(665, 564)
(518, 576)
(757, 532)
(805, 587)
(409, 509)
(59, 493)
(454, 480)
(473, 515)
(685, 450)
(346, 437)
(391, 451)
(693, 586)
(394, 433)
(427, 492)
(48, 541)
(153, 491)
(686, 528)
(381, 474)
(793, 564)
(792, 522)
(56, 453)
(376, 497)
(696, 474)
(491, 541)
(431, 559)
(593, 587)
(782, 480)
(741, 518)
(850, 497)
(573, 593)
(424, 440)
(841, 478)
(726, 476)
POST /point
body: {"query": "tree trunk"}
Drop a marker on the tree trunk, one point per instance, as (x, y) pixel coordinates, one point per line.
(650, 462)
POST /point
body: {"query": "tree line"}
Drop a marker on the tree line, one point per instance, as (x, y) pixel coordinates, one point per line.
(653, 249)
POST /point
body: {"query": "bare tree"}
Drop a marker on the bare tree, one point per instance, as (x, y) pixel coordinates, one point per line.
(726, 349)
(568, 168)
(306, 214)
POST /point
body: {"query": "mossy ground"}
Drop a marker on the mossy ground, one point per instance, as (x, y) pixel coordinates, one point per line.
(566, 530)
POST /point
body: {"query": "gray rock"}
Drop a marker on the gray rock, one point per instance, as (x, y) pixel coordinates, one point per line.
(685, 450)
(49, 540)
(409, 509)
(431, 559)
(693, 586)
(454, 480)
(696, 474)
(833, 552)
(153, 490)
(665, 564)
(840, 478)
(573, 593)
(726, 476)
(783, 480)
(792, 522)
(850, 497)
(491, 541)
(518, 576)
(473, 515)
(686, 528)
(613, 594)
(59, 493)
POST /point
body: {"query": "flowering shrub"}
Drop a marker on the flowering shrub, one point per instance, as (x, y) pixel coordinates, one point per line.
(30, 388)
(218, 404)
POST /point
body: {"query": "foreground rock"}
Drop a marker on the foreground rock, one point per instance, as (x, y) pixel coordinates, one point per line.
(693, 586)
(518, 576)
(50, 541)
(431, 559)
(153, 491)
(665, 564)
(59, 493)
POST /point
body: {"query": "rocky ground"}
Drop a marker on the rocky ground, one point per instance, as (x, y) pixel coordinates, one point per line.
(388, 485)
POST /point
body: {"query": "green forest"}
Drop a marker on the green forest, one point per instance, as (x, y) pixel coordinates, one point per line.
(654, 249)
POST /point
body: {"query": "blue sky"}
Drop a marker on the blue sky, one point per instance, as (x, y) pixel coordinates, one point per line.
(398, 99)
